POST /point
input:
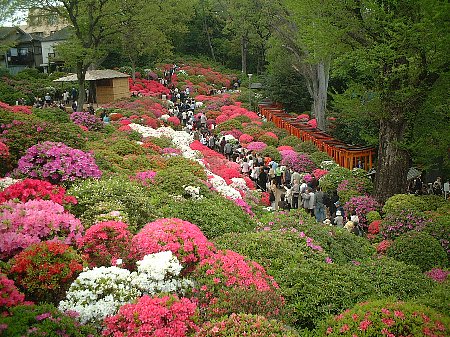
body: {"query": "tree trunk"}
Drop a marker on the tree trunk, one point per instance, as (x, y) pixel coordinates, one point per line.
(244, 47)
(393, 161)
(81, 75)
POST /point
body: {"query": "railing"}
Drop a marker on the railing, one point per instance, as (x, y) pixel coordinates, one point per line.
(345, 155)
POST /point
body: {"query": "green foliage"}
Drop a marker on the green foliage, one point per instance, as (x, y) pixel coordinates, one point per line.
(333, 178)
(189, 165)
(172, 180)
(26, 320)
(118, 192)
(400, 202)
(162, 142)
(386, 317)
(228, 125)
(290, 141)
(271, 152)
(439, 228)
(270, 141)
(318, 157)
(437, 298)
(372, 216)
(253, 130)
(214, 215)
(433, 202)
(420, 249)
(124, 147)
(306, 147)
(52, 115)
(281, 133)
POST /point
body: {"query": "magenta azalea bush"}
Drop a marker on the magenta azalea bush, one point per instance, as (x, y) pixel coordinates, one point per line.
(57, 162)
(395, 224)
(361, 205)
(438, 275)
(84, 118)
(9, 295)
(386, 318)
(256, 146)
(22, 224)
(184, 239)
(146, 178)
(158, 317)
(299, 162)
(105, 242)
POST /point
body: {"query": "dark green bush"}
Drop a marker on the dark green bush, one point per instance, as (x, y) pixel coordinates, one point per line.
(214, 215)
(174, 179)
(437, 298)
(420, 249)
(400, 202)
(228, 125)
(332, 179)
(52, 115)
(318, 157)
(290, 141)
(187, 164)
(123, 147)
(270, 141)
(439, 228)
(253, 130)
(271, 152)
(306, 147)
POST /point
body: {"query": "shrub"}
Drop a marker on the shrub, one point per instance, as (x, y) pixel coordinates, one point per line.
(433, 202)
(42, 320)
(33, 189)
(227, 282)
(290, 141)
(105, 242)
(184, 239)
(437, 298)
(372, 216)
(419, 249)
(172, 180)
(237, 325)
(57, 162)
(124, 147)
(228, 125)
(353, 187)
(271, 152)
(299, 162)
(158, 316)
(318, 157)
(214, 215)
(306, 147)
(256, 146)
(96, 197)
(189, 165)
(439, 228)
(269, 140)
(84, 118)
(253, 130)
(400, 202)
(52, 115)
(386, 317)
(395, 224)
(361, 205)
(34, 221)
(45, 270)
(438, 275)
(335, 176)
(9, 295)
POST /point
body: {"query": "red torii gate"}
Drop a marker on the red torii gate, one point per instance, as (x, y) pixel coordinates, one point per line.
(348, 156)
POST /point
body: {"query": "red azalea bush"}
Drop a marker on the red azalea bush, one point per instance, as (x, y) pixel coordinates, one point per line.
(184, 239)
(158, 317)
(383, 246)
(228, 282)
(9, 295)
(374, 227)
(44, 271)
(105, 242)
(238, 325)
(319, 173)
(32, 222)
(34, 189)
(386, 318)
(15, 108)
(4, 151)
(174, 121)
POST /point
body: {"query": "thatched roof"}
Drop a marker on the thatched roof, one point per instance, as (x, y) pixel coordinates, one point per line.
(93, 75)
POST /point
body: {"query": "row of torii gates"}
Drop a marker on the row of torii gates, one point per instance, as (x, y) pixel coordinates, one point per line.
(348, 156)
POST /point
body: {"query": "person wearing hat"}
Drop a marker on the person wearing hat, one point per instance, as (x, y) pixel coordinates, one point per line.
(339, 208)
(339, 219)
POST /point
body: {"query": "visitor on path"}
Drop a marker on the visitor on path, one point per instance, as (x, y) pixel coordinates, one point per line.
(66, 97)
(228, 150)
(295, 190)
(437, 186)
(308, 201)
(338, 220)
(319, 208)
(263, 178)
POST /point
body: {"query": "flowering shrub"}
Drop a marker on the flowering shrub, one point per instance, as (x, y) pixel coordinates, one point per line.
(57, 162)
(45, 270)
(420, 249)
(4, 151)
(335, 176)
(386, 318)
(42, 320)
(9, 295)
(268, 139)
(84, 118)
(33, 221)
(299, 162)
(395, 224)
(352, 187)
(158, 316)
(98, 293)
(361, 205)
(438, 275)
(227, 282)
(105, 242)
(383, 246)
(146, 178)
(319, 173)
(237, 325)
(256, 146)
(184, 239)
(33, 189)
(245, 139)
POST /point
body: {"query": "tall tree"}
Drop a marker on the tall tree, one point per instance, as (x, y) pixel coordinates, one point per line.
(392, 53)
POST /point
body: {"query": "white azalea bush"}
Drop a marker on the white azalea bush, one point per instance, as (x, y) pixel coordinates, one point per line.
(100, 292)
(193, 192)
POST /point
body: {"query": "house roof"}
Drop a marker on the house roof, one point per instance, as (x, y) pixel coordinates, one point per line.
(60, 35)
(93, 75)
(15, 34)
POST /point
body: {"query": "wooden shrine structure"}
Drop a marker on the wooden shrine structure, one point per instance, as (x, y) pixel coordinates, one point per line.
(348, 156)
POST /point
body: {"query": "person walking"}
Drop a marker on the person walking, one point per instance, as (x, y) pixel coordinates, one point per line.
(319, 208)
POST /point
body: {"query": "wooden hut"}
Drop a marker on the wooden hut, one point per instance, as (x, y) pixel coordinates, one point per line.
(109, 85)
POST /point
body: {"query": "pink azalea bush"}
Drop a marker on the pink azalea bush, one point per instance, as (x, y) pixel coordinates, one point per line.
(397, 223)
(33, 189)
(245, 139)
(361, 205)
(158, 317)
(105, 242)
(9, 295)
(184, 239)
(22, 224)
(386, 318)
(319, 173)
(256, 146)
(57, 162)
(299, 162)
(4, 151)
(84, 118)
(228, 282)
(438, 275)
(145, 178)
